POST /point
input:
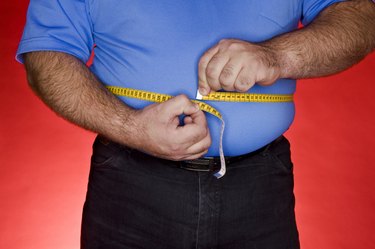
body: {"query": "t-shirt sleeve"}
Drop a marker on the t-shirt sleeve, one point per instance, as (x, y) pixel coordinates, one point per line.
(57, 25)
(311, 8)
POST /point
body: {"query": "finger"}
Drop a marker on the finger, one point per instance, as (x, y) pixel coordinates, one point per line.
(178, 105)
(266, 82)
(199, 118)
(188, 120)
(195, 156)
(200, 146)
(204, 88)
(229, 75)
(199, 149)
(244, 81)
(190, 134)
(214, 69)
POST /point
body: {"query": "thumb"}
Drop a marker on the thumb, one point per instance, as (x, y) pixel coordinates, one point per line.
(179, 105)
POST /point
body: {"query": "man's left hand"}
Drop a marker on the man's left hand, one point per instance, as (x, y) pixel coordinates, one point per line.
(235, 65)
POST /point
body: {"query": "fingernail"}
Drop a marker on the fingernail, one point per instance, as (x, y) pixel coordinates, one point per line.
(203, 91)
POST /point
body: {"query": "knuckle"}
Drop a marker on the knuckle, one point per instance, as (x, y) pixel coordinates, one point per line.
(216, 87)
(228, 71)
(211, 72)
(242, 85)
(225, 82)
(243, 81)
(235, 46)
(216, 58)
(229, 87)
(203, 61)
(226, 75)
(183, 98)
(202, 83)
(223, 41)
(242, 89)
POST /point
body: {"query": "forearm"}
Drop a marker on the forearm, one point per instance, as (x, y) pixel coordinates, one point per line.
(68, 87)
(339, 37)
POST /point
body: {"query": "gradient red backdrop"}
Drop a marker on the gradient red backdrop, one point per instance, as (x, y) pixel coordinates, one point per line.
(44, 160)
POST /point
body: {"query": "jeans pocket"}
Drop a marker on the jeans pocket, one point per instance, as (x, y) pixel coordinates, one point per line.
(104, 152)
(282, 161)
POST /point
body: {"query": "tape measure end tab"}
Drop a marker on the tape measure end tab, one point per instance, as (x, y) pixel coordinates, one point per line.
(218, 175)
(199, 96)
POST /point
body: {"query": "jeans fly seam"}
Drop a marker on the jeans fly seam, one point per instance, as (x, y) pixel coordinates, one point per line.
(199, 210)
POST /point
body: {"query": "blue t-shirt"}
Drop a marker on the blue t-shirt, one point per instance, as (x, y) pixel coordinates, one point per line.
(156, 45)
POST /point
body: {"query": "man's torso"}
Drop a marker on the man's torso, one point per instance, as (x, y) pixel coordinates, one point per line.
(156, 46)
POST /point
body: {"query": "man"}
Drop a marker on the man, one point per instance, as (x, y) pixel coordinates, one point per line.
(148, 185)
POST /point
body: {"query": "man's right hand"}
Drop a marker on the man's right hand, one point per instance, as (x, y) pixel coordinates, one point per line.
(160, 133)
(69, 88)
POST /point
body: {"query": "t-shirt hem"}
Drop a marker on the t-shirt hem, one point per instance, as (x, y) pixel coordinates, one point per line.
(308, 19)
(48, 44)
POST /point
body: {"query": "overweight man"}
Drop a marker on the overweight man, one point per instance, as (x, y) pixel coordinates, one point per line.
(153, 181)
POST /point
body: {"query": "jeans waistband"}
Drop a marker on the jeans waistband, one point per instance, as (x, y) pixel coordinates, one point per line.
(213, 163)
(200, 164)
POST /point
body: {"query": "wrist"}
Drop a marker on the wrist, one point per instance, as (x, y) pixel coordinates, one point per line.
(123, 128)
(280, 60)
(273, 59)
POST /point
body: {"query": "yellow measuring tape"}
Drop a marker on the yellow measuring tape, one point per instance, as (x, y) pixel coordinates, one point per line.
(213, 96)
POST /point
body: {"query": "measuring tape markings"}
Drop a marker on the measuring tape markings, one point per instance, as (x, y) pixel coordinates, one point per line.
(246, 97)
(213, 96)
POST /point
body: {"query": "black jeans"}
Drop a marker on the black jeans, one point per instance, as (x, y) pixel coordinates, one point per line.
(139, 201)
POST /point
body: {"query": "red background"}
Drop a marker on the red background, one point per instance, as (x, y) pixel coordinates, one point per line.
(44, 160)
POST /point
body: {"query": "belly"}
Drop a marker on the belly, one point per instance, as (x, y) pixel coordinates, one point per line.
(248, 126)
(162, 56)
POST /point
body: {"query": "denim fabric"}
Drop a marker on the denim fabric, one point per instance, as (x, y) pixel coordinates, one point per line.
(138, 201)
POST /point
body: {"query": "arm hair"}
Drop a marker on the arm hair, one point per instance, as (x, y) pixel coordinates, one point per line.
(339, 37)
(70, 89)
